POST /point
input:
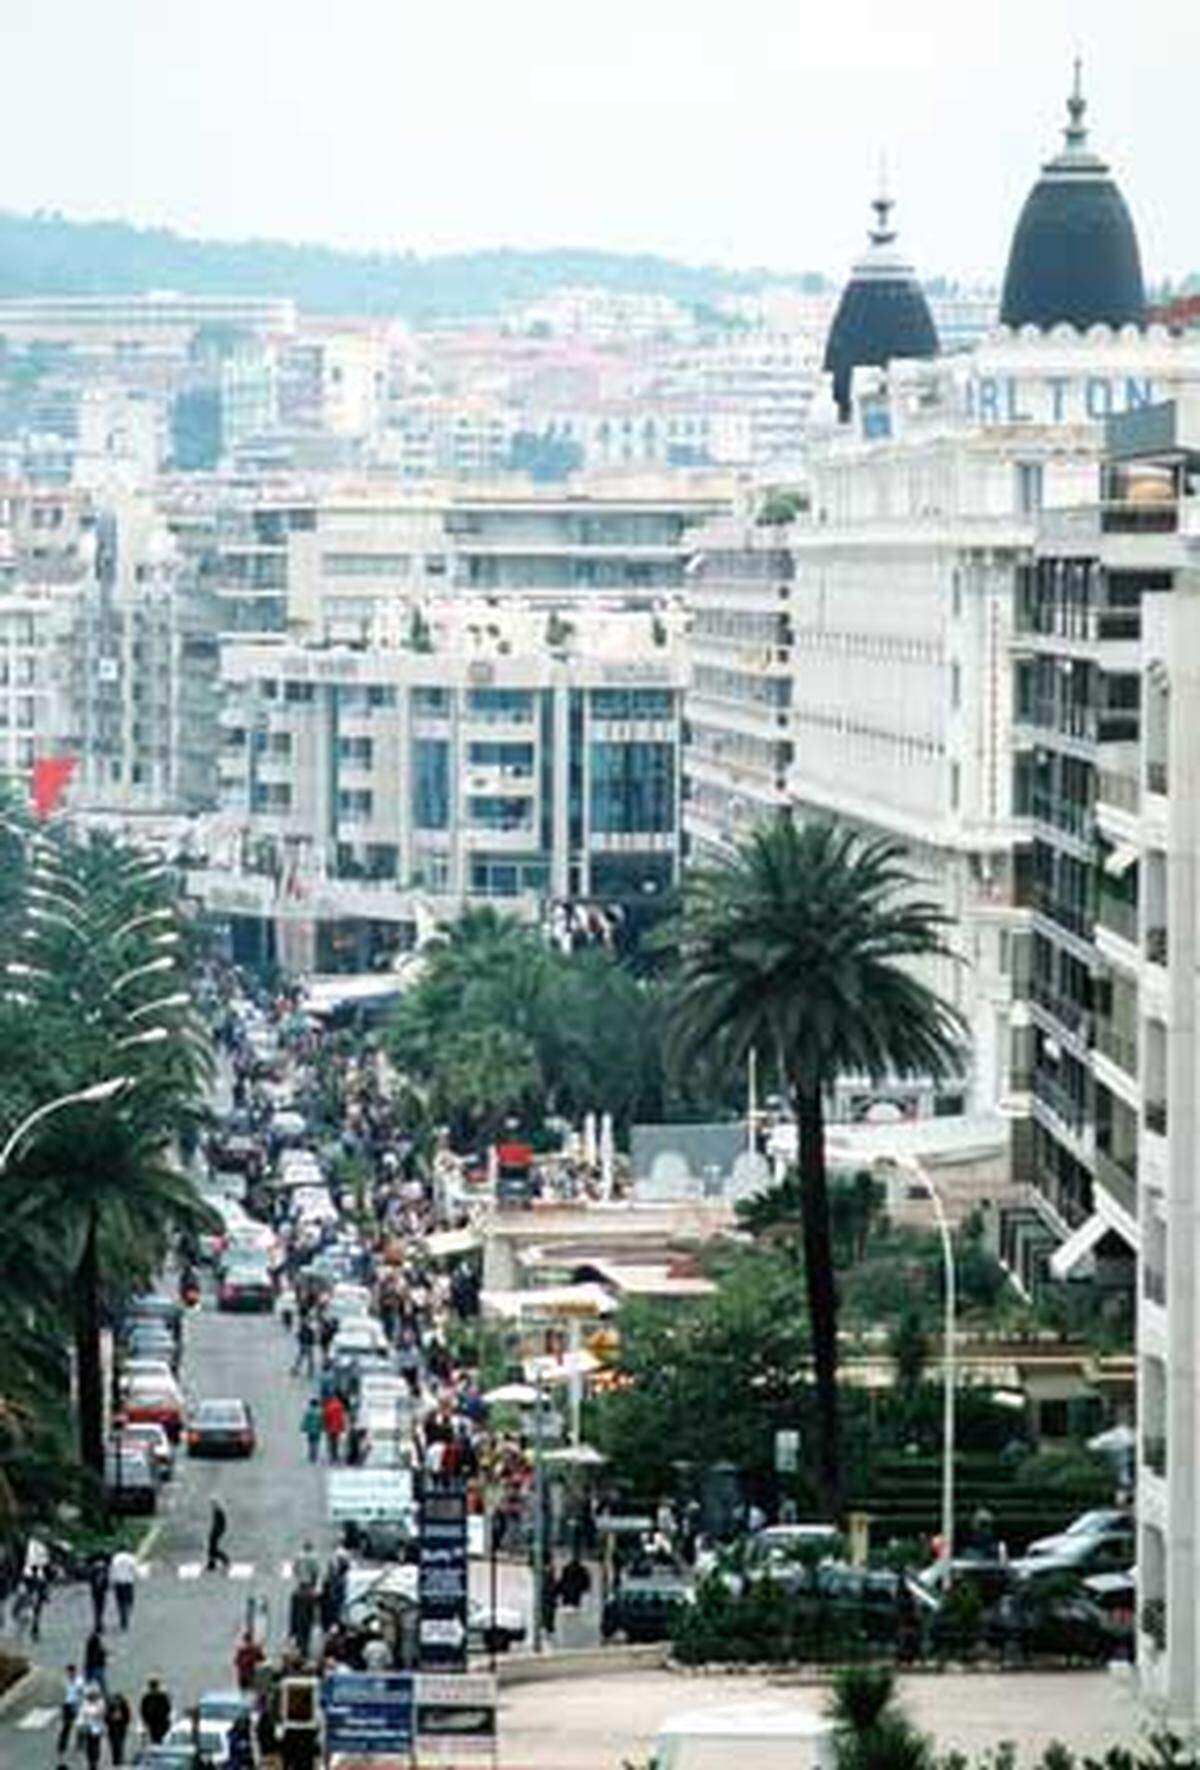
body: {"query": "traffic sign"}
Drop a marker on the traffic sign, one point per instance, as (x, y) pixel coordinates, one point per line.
(368, 1713)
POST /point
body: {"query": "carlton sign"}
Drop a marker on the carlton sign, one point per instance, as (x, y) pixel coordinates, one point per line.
(1055, 399)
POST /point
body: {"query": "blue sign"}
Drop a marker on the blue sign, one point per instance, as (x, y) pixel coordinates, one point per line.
(368, 1712)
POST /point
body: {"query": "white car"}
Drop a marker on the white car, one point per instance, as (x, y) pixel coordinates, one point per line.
(148, 1373)
(359, 1333)
(210, 1737)
(349, 1300)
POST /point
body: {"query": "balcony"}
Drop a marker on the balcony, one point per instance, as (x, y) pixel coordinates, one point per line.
(1122, 791)
(1060, 1100)
(1118, 1045)
(1068, 815)
(1069, 1013)
(1119, 1180)
(1156, 777)
(1156, 945)
(1074, 917)
(1128, 518)
(1154, 1117)
(1118, 916)
(1154, 1286)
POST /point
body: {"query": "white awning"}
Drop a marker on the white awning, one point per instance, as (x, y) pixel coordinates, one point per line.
(1120, 860)
(444, 1244)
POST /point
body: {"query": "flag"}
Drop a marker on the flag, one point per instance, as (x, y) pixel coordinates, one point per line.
(50, 777)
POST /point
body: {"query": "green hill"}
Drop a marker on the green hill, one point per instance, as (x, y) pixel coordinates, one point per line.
(49, 255)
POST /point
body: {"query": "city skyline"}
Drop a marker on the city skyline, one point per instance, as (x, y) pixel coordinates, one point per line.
(692, 142)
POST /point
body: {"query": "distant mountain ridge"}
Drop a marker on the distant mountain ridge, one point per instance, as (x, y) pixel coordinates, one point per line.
(50, 255)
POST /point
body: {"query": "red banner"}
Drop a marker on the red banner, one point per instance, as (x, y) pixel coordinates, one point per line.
(50, 777)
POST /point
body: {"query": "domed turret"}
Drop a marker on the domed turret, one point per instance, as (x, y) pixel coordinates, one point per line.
(1074, 257)
(882, 314)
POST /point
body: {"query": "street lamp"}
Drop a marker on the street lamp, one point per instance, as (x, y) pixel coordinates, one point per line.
(925, 1183)
(95, 1095)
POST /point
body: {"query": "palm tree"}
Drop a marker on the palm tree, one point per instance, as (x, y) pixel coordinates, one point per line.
(801, 947)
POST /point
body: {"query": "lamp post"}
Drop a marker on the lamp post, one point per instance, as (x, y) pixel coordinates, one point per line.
(95, 1095)
(925, 1182)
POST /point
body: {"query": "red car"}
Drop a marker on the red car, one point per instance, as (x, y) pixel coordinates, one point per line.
(157, 1403)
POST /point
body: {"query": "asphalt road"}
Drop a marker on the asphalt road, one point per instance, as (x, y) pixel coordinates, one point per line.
(185, 1619)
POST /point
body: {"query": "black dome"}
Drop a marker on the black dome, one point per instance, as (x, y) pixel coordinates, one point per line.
(1074, 258)
(883, 314)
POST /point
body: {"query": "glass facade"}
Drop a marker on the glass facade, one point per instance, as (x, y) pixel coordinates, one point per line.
(632, 703)
(431, 784)
(500, 703)
(632, 789)
(514, 758)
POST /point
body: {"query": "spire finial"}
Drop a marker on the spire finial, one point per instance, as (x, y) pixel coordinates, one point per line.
(1076, 131)
(883, 233)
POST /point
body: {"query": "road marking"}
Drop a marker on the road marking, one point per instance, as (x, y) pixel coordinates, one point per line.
(190, 1569)
(286, 1569)
(241, 1570)
(145, 1569)
(36, 1718)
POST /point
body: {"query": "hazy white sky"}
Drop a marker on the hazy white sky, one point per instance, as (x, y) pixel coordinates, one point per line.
(744, 133)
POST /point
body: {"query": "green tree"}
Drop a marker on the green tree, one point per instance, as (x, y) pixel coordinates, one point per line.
(801, 946)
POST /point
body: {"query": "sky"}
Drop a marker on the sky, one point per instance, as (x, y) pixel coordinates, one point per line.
(746, 133)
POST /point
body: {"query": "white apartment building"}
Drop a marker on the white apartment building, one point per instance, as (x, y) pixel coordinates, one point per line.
(111, 323)
(769, 378)
(498, 753)
(605, 314)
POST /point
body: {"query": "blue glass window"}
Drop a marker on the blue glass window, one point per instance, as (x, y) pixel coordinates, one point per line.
(632, 788)
(431, 784)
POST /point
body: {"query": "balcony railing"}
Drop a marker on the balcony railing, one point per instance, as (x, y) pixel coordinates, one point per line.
(1069, 1013)
(1118, 1045)
(1125, 518)
(1119, 1180)
(1064, 814)
(1156, 777)
(1156, 945)
(1118, 916)
(1154, 1452)
(1154, 1115)
(1122, 791)
(1060, 1100)
(1074, 917)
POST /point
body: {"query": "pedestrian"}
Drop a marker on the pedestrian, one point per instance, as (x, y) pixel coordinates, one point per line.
(549, 1597)
(123, 1575)
(312, 1425)
(95, 1660)
(155, 1712)
(305, 1341)
(97, 1578)
(238, 1745)
(72, 1702)
(247, 1657)
(117, 1716)
(218, 1523)
(92, 1715)
(574, 1583)
(335, 1425)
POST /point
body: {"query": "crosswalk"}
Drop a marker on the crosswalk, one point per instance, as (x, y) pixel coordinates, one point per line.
(33, 1720)
(194, 1570)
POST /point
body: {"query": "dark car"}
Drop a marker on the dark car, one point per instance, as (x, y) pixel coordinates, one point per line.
(644, 1607)
(145, 1340)
(246, 1285)
(130, 1480)
(1106, 1551)
(221, 1429)
(155, 1311)
(1024, 1625)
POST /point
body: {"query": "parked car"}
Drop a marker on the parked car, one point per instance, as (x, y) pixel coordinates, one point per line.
(210, 1739)
(224, 1706)
(1104, 1521)
(221, 1429)
(156, 1400)
(130, 1481)
(246, 1286)
(1106, 1551)
(644, 1606)
(153, 1308)
(154, 1342)
(153, 1442)
(1024, 1626)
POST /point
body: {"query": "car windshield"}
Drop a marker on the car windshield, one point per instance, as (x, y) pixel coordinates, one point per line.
(220, 1413)
(1091, 1522)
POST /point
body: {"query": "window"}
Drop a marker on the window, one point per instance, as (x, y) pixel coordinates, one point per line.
(495, 704)
(380, 694)
(956, 685)
(431, 703)
(298, 692)
(632, 788)
(514, 760)
(494, 811)
(365, 565)
(431, 784)
(632, 703)
(1028, 487)
(955, 785)
(271, 796)
(355, 804)
(359, 752)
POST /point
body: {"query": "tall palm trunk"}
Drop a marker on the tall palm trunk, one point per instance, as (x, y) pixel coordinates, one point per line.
(822, 1293)
(89, 1375)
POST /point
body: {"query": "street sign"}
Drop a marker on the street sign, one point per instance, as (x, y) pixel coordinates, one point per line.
(368, 1713)
(787, 1451)
(455, 1716)
(366, 1496)
(442, 1576)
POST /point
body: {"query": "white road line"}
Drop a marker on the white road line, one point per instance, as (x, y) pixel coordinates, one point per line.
(190, 1569)
(36, 1718)
(241, 1570)
(285, 1569)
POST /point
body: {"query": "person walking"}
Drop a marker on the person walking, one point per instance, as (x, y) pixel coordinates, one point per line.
(312, 1426)
(305, 1342)
(218, 1524)
(117, 1717)
(155, 1712)
(123, 1577)
(72, 1702)
(335, 1425)
(92, 1715)
(247, 1657)
(95, 1661)
(98, 1577)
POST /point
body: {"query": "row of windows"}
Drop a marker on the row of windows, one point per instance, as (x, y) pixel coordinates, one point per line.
(366, 565)
(839, 724)
(19, 674)
(773, 692)
(745, 626)
(632, 703)
(868, 645)
(632, 788)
